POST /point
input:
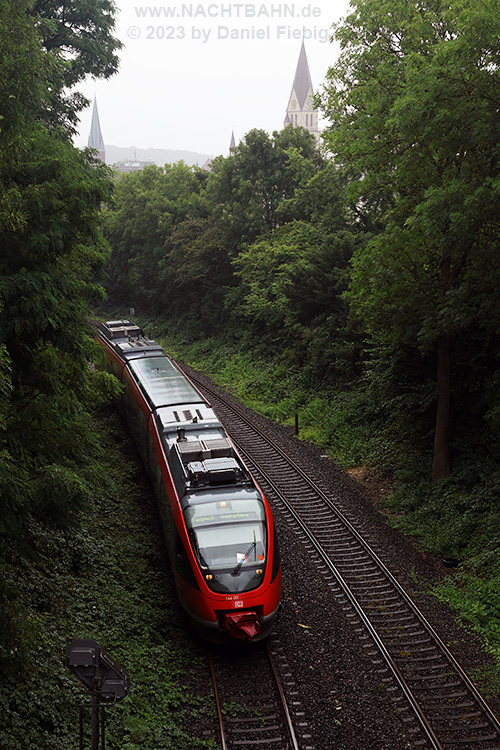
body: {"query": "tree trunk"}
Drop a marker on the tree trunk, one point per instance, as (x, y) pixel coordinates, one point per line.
(441, 465)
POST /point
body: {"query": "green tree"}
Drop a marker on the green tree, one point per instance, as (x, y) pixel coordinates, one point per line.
(22, 80)
(248, 190)
(195, 274)
(148, 205)
(414, 109)
(291, 294)
(52, 248)
(77, 37)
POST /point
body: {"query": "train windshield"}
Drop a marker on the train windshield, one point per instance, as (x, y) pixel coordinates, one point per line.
(229, 541)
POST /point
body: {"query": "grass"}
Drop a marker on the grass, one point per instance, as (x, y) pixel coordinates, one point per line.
(457, 518)
(272, 388)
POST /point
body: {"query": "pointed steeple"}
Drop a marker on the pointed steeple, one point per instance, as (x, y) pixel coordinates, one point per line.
(300, 110)
(96, 140)
(302, 82)
(232, 145)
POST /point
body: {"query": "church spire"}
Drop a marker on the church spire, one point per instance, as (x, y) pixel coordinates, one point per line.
(300, 110)
(96, 140)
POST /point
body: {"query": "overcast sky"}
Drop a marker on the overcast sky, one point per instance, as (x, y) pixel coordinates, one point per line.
(188, 75)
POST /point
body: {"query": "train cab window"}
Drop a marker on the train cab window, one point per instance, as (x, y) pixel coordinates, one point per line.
(230, 543)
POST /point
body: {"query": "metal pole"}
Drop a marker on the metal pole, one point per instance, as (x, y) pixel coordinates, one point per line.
(95, 700)
(296, 423)
(81, 727)
(95, 721)
(103, 728)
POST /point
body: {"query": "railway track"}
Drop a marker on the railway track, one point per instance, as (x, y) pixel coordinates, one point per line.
(442, 707)
(251, 707)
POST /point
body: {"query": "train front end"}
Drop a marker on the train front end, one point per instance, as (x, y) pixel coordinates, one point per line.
(236, 551)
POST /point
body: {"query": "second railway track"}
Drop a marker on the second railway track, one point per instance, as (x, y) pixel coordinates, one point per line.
(442, 703)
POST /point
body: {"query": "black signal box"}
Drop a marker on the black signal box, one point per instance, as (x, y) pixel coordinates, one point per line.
(97, 670)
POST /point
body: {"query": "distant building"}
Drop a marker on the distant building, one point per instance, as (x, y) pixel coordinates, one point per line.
(95, 138)
(300, 111)
(132, 165)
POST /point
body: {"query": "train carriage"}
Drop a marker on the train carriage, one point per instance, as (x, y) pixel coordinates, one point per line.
(218, 526)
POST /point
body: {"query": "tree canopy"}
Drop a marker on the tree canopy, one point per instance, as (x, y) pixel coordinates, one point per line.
(148, 206)
(248, 191)
(413, 104)
(52, 249)
(77, 38)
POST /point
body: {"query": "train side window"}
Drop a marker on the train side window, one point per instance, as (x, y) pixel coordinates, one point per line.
(276, 556)
(182, 563)
(151, 456)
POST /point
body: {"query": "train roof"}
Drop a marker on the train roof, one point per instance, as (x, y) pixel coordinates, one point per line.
(164, 384)
(169, 392)
(128, 340)
(205, 465)
(204, 461)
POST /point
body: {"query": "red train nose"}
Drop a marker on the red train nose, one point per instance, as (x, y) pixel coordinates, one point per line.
(241, 625)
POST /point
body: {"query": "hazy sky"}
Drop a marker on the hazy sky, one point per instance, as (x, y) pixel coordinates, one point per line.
(189, 75)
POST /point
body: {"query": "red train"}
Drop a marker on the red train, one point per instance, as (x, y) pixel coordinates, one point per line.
(217, 524)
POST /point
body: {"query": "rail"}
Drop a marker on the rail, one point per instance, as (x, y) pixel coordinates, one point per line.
(251, 705)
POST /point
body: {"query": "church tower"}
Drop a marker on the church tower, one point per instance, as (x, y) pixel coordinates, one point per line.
(300, 111)
(95, 138)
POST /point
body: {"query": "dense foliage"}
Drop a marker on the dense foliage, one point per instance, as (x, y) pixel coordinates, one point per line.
(413, 102)
(52, 247)
(258, 247)
(106, 578)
